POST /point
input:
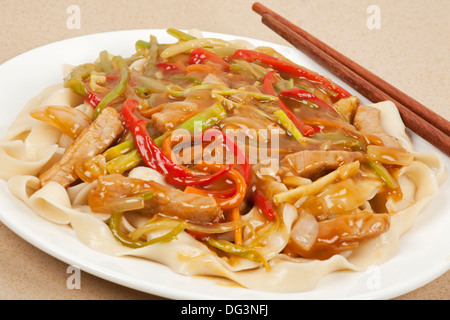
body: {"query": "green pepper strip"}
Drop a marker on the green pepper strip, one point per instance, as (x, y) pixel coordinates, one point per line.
(114, 225)
(290, 126)
(342, 139)
(119, 150)
(250, 254)
(384, 174)
(104, 62)
(118, 90)
(256, 95)
(124, 162)
(75, 80)
(208, 117)
(269, 81)
(180, 35)
(130, 203)
(289, 68)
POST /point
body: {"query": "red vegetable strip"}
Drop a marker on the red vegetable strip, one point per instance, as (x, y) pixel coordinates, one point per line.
(168, 66)
(201, 55)
(262, 203)
(92, 99)
(268, 82)
(150, 153)
(154, 158)
(290, 68)
(301, 94)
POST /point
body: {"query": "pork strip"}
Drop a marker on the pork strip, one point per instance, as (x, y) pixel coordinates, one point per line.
(92, 141)
(314, 163)
(368, 121)
(343, 233)
(166, 200)
(173, 114)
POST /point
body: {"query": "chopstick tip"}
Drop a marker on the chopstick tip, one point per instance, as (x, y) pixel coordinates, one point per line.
(259, 8)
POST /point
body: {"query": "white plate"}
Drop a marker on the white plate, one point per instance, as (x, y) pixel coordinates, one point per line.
(424, 251)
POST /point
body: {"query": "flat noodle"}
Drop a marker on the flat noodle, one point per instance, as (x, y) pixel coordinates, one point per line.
(30, 146)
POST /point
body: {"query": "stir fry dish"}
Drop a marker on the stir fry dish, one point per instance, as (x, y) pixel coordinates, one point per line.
(218, 158)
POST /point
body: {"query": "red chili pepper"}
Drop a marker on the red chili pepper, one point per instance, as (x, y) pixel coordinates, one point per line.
(112, 77)
(153, 156)
(262, 203)
(92, 99)
(290, 68)
(301, 94)
(201, 55)
(268, 82)
(168, 67)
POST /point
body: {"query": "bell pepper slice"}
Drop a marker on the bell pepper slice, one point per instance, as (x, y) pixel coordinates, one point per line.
(207, 118)
(155, 158)
(383, 174)
(168, 67)
(262, 203)
(75, 80)
(268, 82)
(200, 55)
(180, 35)
(124, 239)
(247, 253)
(290, 68)
(301, 94)
(118, 90)
(92, 99)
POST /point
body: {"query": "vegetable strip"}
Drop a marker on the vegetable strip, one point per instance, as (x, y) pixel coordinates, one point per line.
(268, 83)
(247, 253)
(118, 90)
(289, 68)
(301, 94)
(155, 158)
(114, 225)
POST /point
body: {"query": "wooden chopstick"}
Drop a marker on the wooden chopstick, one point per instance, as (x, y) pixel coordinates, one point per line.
(417, 117)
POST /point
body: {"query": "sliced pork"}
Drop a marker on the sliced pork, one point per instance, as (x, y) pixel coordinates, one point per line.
(166, 200)
(173, 114)
(314, 163)
(368, 121)
(92, 141)
(343, 233)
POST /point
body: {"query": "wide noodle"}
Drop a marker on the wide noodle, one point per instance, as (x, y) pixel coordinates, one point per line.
(268, 238)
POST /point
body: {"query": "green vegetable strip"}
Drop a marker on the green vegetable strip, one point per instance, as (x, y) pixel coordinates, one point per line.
(384, 174)
(128, 203)
(256, 95)
(289, 125)
(105, 63)
(114, 225)
(250, 254)
(153, 85)
(208, 117)
(118, 90)
(118, 150)
(75, 80)
(180, 35)
(124, 162)
(141, 44)
(192, 44)
(178, 92)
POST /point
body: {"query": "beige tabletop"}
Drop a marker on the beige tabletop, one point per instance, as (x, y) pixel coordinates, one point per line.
(406, 42)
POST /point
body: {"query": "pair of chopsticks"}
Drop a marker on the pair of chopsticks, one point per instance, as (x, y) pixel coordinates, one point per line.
(421, 120)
